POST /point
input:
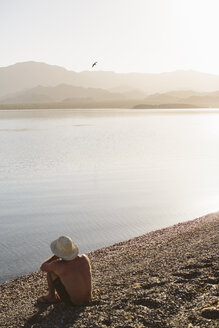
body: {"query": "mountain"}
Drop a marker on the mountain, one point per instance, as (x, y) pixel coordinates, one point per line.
(27, 75)
(182, 99)
(68, 96)
(184, 93)
(31, 74)
(129, 92)
(59, 93)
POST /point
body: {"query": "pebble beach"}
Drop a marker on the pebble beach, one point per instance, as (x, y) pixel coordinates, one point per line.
(165, 278)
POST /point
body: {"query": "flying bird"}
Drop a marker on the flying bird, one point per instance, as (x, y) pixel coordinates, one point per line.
(94, 64)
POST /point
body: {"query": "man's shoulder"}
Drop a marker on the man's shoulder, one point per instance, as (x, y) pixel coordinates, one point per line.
(57, 263)
(84, 257)
(80, 258)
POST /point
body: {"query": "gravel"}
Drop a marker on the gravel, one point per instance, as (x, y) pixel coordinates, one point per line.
(165, 278)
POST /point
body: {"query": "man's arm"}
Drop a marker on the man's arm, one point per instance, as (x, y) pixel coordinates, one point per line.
(47, 265)
(51, 259)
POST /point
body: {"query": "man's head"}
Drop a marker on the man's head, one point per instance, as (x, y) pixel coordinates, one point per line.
(65, 248)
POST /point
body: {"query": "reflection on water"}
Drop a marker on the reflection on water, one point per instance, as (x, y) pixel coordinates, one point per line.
(100, 176)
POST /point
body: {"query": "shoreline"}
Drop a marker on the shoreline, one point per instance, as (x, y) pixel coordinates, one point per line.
(165, 278)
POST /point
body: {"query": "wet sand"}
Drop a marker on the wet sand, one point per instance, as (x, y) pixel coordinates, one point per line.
(165, 278)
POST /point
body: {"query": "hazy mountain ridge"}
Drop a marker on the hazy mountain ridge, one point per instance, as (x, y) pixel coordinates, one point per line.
(205, 99)
(72, 97)
(58, 93)
(31, 74)
(42, 84)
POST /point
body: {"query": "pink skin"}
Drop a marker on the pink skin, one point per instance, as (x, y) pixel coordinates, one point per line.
(51, 297)
(75, 275)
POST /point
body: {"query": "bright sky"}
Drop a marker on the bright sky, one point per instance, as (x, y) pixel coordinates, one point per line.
(122, 35)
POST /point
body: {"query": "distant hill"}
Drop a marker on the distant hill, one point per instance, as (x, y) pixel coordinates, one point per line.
(62, 92)
(27, 75)
(184, 93)
(40, 85)
(182, 99)
(68, 96)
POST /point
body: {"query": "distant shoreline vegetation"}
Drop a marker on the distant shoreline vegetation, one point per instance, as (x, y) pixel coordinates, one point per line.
(96, 106)
(165, 106)
(65, 105)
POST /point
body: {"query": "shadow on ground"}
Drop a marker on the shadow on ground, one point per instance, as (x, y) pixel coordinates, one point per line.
(58, 314)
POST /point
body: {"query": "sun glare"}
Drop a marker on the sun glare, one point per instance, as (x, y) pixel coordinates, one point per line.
(197, 24)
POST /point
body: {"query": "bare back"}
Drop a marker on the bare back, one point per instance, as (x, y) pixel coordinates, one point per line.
(76, 277)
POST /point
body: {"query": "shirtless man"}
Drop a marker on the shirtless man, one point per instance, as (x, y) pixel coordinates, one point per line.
(68, 274)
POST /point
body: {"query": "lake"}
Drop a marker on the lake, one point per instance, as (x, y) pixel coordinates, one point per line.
(100, 176)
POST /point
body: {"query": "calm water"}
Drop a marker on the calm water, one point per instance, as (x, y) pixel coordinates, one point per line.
(100, 176)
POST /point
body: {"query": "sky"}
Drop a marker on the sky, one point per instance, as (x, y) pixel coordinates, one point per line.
(147, 36)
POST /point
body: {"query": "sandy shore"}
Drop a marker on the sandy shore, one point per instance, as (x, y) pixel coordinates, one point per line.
(166, 278)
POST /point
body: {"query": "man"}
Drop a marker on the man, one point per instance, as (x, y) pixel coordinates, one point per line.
(68, 274)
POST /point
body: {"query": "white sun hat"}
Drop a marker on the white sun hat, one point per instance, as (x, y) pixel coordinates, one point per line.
(65, 248)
